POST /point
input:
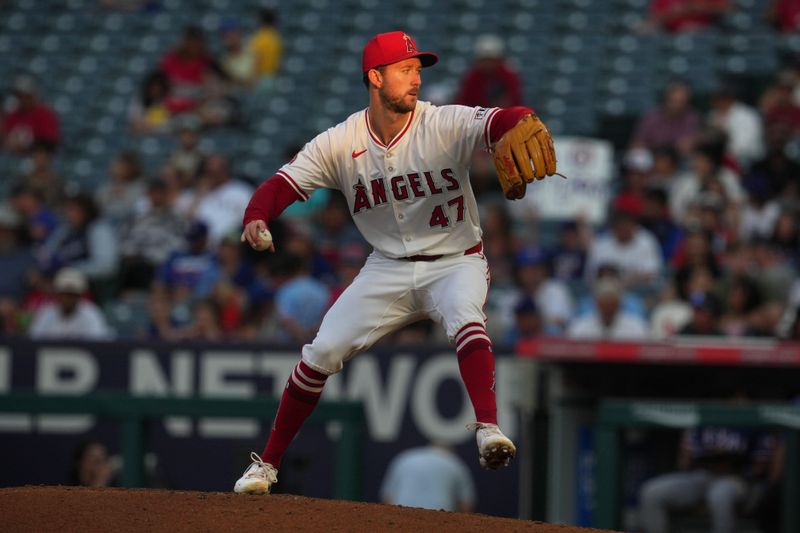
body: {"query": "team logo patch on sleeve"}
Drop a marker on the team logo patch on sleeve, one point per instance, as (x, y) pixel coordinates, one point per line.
(480, 113)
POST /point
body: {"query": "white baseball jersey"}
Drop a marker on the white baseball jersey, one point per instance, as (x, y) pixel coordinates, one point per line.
(411, 196)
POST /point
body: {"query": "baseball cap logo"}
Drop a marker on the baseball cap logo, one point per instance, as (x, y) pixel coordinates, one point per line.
(393, 47)
(410, 46)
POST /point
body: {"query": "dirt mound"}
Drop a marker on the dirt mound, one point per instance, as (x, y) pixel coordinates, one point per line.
(67, 509)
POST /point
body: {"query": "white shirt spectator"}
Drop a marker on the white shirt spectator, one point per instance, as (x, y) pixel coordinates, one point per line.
(86, 322)
(221, 208)
(742, 124)
(625, 326)
(668, 318)
(639, 257)
(759, 221)
(687, 187)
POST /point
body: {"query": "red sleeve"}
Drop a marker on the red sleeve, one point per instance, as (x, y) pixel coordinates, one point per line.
(269, 200)
(504, 120)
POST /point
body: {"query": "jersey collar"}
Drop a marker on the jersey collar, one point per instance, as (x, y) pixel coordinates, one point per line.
(397, 137)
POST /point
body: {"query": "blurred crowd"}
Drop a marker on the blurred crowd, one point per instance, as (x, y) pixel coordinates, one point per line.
(701, 236)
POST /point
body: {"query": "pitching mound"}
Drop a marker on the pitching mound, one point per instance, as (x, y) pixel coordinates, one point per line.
(67, 509)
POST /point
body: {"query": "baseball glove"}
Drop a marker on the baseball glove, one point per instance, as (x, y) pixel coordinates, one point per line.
(525, 152)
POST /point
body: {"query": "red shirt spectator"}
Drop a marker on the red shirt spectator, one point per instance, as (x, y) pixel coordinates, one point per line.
(785, 15)
(187, 68)
(677, 16)
(30, 122)
(490, 82)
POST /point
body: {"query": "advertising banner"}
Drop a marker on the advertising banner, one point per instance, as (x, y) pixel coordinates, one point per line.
(411, 397)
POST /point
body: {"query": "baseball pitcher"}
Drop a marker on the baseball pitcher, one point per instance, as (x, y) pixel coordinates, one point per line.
(403, 165)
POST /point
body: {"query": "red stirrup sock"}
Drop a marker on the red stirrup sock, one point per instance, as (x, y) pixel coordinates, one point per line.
(299, 398)
(476, 363)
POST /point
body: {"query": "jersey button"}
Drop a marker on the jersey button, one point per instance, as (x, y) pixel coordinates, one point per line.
(408, 239)
(391, 169)
(401, 216)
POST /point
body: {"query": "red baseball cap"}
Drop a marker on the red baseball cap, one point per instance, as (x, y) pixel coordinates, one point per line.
(391, 47)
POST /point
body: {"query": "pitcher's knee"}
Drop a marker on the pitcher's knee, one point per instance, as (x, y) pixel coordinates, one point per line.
(326, 356)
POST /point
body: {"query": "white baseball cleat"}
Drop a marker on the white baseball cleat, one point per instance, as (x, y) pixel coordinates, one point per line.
(494, 448)
(258, 478)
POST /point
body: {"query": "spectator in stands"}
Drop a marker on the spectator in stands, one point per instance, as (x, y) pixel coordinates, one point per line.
(188, 157)
(120, 196)
(570, 254)
(761, 211)
(91, 466)
(779, 173)
(741, 124)
(29, 121)
(672, 125)
(163, 325)
(151, 239)
(498, 242)
(742, 300)
(628, 246)
(196, 79)
(430, 477)
(39, 221)
(675, 16)
(152, 108)
(300, 300)
(717, 466)
(219, 200)
(351, 258)
(490, 81)
(70, 316)
(237, 60)
(527, 322)
(696, 250)
(82, 241)
(42, 177)
(786, 235)
(707, 173)
(637, 166)
(713, 219)
(551, 295)
(671, 314)
(189, 274)
(656, 219)
(706, 311)
(775, 270)
(784, 15)
(777, 105)
(16, 259)
(267, 49)
(204, 325)
(666, 167)
(609, 321)
(629, 302)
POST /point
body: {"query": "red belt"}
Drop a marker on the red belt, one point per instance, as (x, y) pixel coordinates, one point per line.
(478, 248)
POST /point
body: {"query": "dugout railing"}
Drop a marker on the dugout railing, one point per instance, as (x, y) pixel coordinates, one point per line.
(133, 412)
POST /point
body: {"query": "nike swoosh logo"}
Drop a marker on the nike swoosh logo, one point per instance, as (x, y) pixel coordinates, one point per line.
(356, 154)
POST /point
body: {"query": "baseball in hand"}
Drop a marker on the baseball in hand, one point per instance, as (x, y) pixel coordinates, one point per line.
(264, 240)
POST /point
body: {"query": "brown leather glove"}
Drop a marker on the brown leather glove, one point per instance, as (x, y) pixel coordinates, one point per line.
(525, 152)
